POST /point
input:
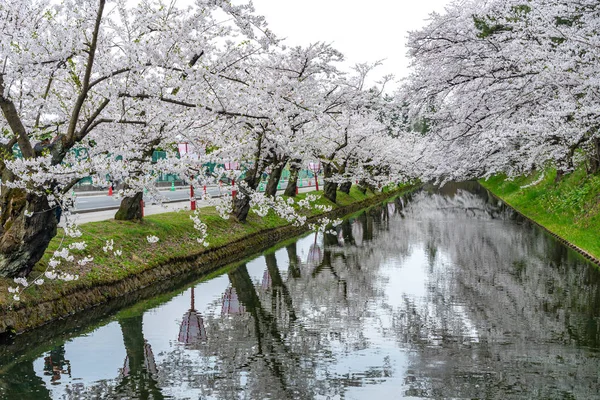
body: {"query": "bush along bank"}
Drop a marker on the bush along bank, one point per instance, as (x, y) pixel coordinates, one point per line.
(141, 263)
(568, 207)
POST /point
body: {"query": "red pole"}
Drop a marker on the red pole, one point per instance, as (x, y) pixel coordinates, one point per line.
(192, 200)
(233, 191)
(317, 181)
(204, 190)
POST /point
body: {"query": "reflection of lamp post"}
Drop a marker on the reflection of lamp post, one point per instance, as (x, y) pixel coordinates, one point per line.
(266, 280)
(231, 303)
(192, 328)
(315, 167)
(231, 166)
(357, 232)
(315, 255)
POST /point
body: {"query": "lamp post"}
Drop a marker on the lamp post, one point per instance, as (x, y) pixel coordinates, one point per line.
(315, 167)
(232, 166)
(192, 198)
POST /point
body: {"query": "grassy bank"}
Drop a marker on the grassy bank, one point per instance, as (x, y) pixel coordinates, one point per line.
(142, 264)
(569, 207)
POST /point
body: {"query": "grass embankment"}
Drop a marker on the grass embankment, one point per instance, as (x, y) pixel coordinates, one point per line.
(177, 243)
(569, 207)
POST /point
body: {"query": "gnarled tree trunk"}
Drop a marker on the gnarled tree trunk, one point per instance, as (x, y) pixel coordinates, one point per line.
(595, 156)
(23, 239)
(292, 185)
(274, 178)
(345, 187)
(329, 188)
(131, 208)
(241, 203)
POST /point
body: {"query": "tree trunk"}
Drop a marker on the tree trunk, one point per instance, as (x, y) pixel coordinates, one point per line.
(345, 187)
(364, 185)
(131, 208)
(274, 177)
(294, 260)
(241, 203)
(278, 284)
(23, 239)
(595, 157)
(138, 375)
(330, 188)
(292, 185)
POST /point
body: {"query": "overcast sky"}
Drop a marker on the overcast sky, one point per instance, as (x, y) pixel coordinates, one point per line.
(364, 31)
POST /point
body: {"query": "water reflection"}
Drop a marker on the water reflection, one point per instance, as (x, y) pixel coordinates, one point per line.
(442, 294)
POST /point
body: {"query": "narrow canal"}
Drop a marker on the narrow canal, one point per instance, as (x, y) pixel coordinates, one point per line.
(440, 294)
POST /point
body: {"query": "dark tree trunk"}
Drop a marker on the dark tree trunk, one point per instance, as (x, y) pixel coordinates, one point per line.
(595, 157)
(329, 188)
(278, 284)
(267, 335)
(345, 187)
(241, 203)
(294, 260)
(140, 367)
(17, 381)
(274, 178)
(292, 185)
(23, 239)
(131, 208)
(364, 186)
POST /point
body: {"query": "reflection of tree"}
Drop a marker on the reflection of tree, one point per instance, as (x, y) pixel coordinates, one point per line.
(55, 364)
(139, 369)
(504, 312)
(279, 287)
(501, 314)
(21, 382)
(266, 332)
(293, 260)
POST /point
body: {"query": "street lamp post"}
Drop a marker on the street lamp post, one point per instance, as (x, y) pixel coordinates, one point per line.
(192, 198)
(232, 166)
(315, 167)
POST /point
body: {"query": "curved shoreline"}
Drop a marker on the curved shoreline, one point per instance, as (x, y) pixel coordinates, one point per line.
(33, 315)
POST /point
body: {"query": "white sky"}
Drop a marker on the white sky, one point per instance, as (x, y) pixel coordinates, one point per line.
(364, 31)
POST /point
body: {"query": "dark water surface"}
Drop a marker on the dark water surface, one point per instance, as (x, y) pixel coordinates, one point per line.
(438, 295)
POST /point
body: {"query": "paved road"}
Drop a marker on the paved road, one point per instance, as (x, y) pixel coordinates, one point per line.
(86, 203)
(103, 215)
(103, 201)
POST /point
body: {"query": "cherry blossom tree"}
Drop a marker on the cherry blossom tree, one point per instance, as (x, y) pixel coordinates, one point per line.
(93, 74)
(506, 86)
